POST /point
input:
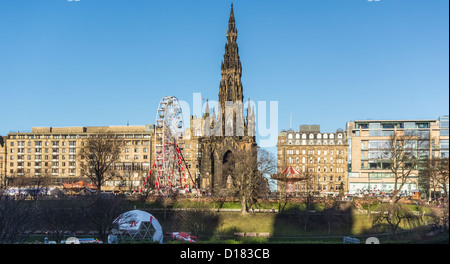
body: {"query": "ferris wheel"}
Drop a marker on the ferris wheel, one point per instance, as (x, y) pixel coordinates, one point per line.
(171, 170)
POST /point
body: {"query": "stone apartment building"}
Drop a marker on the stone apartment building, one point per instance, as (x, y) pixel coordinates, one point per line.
(53, 153)
(320, 156)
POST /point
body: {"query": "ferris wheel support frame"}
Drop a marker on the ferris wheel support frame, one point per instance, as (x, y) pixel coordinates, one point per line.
(181, 161)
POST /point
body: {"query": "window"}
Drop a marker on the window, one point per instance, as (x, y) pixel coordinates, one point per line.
(388, 125)
(363, 126)
(443, 144)
(423, 125)
(379, 144)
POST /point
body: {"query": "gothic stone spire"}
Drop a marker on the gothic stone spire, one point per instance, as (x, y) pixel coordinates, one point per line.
(231, 69)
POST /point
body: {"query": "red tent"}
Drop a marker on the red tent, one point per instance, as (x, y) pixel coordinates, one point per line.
(290, 171)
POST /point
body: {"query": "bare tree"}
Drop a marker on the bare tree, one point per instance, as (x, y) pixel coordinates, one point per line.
(101, 212)
(59, 216)
(427, 176)
(443, 176)
(16, 219)
(391, 215)
(247, 170)
(98, 155)
(433, 175)
(403, 152)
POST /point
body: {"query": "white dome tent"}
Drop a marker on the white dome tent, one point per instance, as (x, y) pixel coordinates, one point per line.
(135, 225)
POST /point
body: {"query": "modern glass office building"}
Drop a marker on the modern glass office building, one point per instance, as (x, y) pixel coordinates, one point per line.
(369, 158)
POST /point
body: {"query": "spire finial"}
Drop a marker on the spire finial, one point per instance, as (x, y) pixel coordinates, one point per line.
(231, 14)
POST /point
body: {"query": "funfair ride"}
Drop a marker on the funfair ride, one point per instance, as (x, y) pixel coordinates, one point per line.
(171, 171)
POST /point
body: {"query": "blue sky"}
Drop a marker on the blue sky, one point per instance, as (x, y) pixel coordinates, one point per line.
(106, 62)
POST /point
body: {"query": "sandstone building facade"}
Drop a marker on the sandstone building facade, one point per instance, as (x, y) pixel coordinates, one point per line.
(52, 154)
(322, 157)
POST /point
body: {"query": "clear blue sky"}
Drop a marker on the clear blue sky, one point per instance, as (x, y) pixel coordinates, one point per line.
(106, 62)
